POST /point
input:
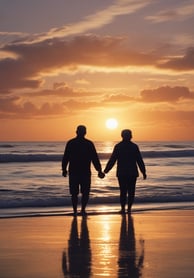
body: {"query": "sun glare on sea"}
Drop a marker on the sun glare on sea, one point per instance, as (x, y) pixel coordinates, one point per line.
(111, 123)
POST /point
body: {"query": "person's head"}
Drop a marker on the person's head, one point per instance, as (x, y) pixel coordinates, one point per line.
(126, 134)
(81, 131)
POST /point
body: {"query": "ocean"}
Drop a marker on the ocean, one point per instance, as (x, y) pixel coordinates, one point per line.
(31, 182)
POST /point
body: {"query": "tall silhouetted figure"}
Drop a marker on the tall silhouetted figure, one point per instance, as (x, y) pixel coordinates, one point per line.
(130, 262)
(78, 155)
(78, 261)
(128, 157)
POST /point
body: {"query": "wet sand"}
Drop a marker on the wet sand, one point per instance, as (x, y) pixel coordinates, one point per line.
(147, 244)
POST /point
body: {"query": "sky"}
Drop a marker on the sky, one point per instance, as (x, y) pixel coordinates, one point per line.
(69, 62)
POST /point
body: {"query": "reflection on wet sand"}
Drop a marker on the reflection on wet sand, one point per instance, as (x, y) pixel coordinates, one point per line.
(130, 264)
(114, 254)
(78, 261)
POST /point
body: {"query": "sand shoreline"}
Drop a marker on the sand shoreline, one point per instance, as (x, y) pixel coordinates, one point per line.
(148, 244)
(92, 209)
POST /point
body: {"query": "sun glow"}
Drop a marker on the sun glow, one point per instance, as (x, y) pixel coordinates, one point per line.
(111, 123)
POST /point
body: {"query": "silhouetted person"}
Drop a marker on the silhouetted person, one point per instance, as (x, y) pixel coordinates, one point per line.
(130, 264)
(128, 157)
(78, 261)
(78, 155)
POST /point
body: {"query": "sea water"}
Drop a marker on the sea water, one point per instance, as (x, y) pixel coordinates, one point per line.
(31, 181)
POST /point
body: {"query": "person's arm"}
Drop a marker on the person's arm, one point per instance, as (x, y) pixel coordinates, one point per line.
(111, 161)
(65, 160)
(96, 162)
(141, 164)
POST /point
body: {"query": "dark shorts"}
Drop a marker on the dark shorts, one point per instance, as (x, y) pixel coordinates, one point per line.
(79, 184)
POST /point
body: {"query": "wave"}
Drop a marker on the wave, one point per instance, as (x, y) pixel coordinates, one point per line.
(6, 146)
(92, 209)
(50, 202)
(160, 154)
(5, 158)
(29, 157)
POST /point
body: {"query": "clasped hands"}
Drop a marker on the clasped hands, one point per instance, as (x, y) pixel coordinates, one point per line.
(101, 174)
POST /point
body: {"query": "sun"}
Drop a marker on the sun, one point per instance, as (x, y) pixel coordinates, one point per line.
(111, 123)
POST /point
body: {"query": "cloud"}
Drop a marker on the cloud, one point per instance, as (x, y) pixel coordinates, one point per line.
(17, 73)
(10, 37)
(13, 108)
(60, 90)
(62, 101)
(82, 82)
(173, 14)
(94, 21)
(166, 94)
(34, 61)
(51, 103)
(118, 98)
(161, 94)
(181, 63)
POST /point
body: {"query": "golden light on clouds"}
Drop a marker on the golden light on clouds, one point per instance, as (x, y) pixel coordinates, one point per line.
(93, 65)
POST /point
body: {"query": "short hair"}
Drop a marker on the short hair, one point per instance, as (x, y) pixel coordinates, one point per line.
(126, 134)
(81, 130)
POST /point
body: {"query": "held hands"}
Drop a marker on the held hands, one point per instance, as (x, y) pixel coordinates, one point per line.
(101, 175)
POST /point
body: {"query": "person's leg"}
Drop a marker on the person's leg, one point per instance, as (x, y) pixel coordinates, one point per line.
(74, 200)
(131, 192)
(74, 191)
(123, 192)
(84, 202)
(85, 190)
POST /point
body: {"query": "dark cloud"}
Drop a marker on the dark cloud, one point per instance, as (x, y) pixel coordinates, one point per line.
(66, 100)
(8, 104)
(18, 108)
(16, 73)
(33, 61)
(15, 108)
(45, 57)
(166, 94)
(184, 63)
(161, 94)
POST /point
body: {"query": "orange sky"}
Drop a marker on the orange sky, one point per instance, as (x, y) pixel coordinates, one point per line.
(61, 66)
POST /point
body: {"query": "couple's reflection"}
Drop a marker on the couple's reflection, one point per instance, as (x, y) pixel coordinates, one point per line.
(130, 263)
(78, 261)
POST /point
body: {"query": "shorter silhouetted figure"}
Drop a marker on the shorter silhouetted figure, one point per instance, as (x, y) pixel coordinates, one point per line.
(131, 258)
(128, 157)
(78, 155)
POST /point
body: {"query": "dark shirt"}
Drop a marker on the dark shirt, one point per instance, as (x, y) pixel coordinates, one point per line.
(128, 156)
(79, 154)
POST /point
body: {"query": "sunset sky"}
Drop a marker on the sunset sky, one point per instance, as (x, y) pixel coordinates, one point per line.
(69, 62)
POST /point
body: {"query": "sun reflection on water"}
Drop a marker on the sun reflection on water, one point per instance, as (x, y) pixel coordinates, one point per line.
(107, 250)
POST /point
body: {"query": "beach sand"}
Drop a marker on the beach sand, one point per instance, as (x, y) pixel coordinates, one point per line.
(147, 244)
